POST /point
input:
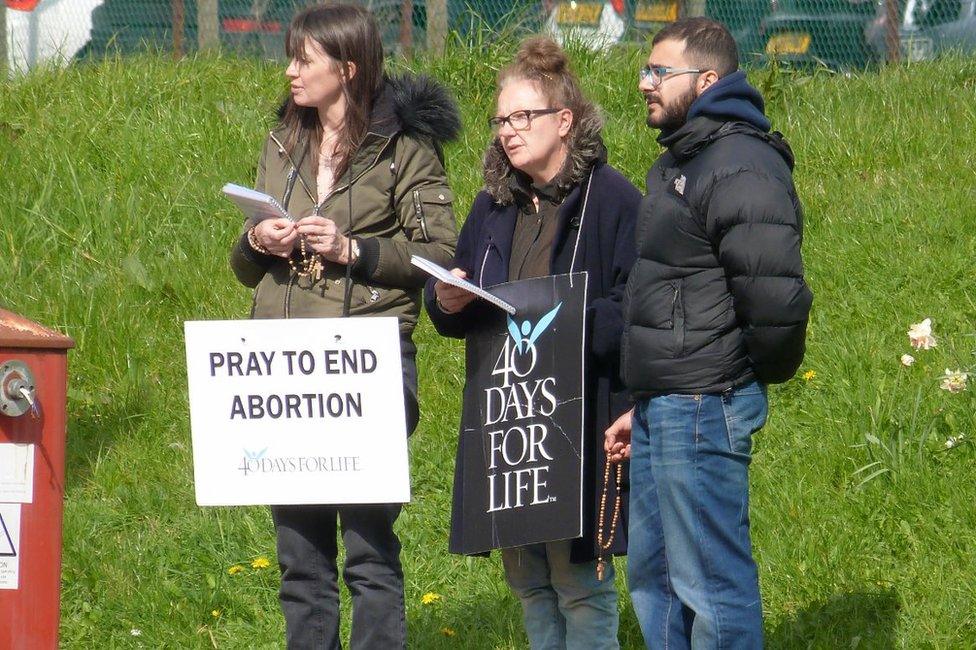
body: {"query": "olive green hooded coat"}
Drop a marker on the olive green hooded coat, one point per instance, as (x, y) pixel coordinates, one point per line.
(401, 206)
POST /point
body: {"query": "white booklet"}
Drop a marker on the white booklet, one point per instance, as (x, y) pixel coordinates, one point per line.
(444, 275)
(255, 205)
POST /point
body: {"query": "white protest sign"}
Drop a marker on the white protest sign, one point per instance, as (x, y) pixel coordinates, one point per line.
(9, 545)
(297, 411)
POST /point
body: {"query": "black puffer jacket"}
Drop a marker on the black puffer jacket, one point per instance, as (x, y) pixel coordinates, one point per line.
(717, 296)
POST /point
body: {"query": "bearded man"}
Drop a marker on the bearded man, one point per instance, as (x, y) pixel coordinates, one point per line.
(716, 308)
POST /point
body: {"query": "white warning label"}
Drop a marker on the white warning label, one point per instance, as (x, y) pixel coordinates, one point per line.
(9, 545)
(16, 473)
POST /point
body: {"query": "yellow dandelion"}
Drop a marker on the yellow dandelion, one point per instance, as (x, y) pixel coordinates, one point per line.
(260, 563)
(234, 570)
(430, 597)
(809, 374)
(446, 631)
(215, 613)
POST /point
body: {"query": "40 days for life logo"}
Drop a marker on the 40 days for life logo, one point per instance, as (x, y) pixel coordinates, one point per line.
(518, 473)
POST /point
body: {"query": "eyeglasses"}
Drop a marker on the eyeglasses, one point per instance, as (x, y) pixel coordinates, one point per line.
(658, 73)
(519, 120)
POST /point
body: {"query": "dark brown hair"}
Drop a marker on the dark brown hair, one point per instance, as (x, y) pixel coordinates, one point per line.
(540, 60)
(348, 34)
(708, 44)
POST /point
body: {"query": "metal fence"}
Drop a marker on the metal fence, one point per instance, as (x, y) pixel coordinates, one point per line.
(841, 34)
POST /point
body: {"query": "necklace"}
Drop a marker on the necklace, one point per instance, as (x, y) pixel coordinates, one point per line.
(601, 545)
(311, 266)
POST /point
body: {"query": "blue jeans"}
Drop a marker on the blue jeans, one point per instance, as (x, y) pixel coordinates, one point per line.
(691, 575)
(564, 606)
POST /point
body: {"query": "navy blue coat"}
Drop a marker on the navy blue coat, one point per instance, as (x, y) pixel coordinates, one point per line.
(607, 251)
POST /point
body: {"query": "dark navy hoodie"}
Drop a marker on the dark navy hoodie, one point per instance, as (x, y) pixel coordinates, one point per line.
(732, 98)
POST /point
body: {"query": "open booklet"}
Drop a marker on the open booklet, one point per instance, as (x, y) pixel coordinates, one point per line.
(444, 275)
(255, 205)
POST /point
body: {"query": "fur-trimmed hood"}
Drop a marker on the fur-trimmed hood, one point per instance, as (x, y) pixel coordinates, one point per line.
(413, 104)
(416, 105)
(585, 149)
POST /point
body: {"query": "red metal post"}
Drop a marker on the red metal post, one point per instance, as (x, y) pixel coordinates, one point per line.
(30, 614)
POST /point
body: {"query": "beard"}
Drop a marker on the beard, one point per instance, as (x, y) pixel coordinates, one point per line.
(675, 114)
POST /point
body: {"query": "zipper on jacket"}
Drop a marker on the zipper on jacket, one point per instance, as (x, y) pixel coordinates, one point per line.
(674, 301)
(418, 210)
(291, 282)
(281, 149)
(289, 187)
(678, 319)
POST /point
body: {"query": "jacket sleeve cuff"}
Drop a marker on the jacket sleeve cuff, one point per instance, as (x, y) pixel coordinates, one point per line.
(261, 259)
(369, 258)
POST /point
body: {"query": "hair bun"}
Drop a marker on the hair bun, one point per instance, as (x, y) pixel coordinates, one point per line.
(540, 54)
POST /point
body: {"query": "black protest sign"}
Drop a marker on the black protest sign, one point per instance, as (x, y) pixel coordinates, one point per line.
(520, 458)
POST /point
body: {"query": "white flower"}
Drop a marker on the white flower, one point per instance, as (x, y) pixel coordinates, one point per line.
(920, 335)
(952, 441)
(954, 381)
(135, 632)
(907, 359)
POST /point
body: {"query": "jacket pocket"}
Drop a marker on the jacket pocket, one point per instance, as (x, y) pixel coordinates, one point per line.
(678, 319)
(426, 200)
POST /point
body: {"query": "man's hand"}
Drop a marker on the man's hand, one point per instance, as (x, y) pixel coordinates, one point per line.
(451, 299)
(618, 438)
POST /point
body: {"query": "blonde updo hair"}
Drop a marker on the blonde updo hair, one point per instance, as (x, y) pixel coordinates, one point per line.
(540, 60)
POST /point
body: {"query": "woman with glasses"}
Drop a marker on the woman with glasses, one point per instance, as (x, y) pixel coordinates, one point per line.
(552, 205)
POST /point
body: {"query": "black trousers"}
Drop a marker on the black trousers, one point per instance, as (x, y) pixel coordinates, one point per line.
(307, 551)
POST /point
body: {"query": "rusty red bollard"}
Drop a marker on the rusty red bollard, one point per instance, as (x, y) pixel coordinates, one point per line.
(33, 392)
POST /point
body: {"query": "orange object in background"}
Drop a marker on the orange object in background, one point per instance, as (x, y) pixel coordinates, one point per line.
(22, 5)
(33, 393)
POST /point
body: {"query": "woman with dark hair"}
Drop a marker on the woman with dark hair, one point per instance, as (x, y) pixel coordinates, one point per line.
(553, 205)
(356, 159)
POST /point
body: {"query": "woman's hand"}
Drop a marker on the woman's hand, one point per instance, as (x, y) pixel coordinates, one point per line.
(277, 236)
(451, 299)
(325, 239)
(617, 436)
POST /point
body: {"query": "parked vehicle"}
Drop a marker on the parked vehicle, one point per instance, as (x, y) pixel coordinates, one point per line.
(243, 25)
(744, 19)
(596, 24)
(799, 32)
(810, 32)
(926, 28)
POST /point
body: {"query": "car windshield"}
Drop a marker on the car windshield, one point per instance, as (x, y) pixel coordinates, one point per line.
(928, 13)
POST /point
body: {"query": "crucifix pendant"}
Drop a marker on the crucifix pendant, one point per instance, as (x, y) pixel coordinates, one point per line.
(600, 565)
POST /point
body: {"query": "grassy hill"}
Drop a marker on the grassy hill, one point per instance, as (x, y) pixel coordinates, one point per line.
(112, 229)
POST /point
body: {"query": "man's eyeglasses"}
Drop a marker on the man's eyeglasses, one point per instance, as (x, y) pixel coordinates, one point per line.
(519, 120)
(657, 74)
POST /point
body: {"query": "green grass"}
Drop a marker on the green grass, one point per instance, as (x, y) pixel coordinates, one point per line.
(113, 231)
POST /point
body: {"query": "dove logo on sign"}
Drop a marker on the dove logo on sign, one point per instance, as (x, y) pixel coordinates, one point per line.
(528, 334)
(519, 360)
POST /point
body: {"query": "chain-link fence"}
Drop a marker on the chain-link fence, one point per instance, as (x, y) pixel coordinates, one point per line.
(841, 34)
